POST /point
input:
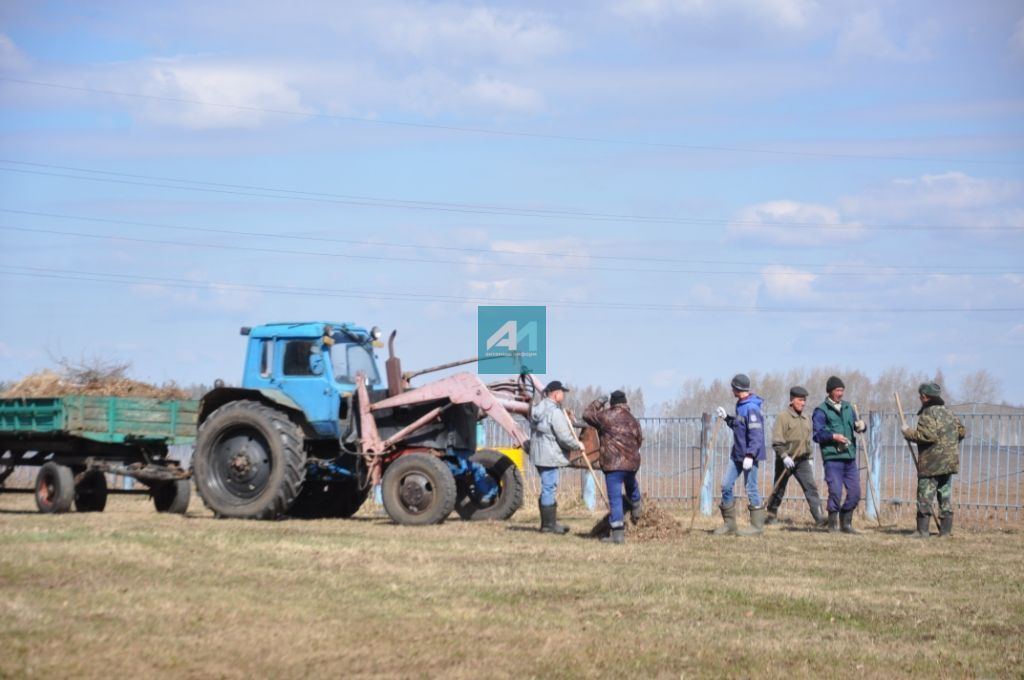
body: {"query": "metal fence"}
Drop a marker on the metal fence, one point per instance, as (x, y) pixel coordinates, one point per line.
(987, 492)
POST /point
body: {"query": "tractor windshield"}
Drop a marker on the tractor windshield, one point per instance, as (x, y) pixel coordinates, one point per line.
(350, 358)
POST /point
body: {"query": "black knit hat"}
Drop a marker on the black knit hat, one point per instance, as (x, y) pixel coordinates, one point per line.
(740, 382)
(930, 389)
(797, 391)
(833, 382)
(618, 397)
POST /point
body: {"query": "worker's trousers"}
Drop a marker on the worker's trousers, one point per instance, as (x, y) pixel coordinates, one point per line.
(615, 480)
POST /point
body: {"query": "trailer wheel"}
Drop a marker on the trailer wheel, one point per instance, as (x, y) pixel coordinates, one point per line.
(172, 497)
(510, 489)
(249, 461)
(328, 499)
(91, 492)
(55, 488)
(418, 489)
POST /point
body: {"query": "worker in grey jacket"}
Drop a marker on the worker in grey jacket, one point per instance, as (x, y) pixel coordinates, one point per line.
(551, 438)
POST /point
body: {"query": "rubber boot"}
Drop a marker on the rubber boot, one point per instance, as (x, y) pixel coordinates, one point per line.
(637, 511)
(729, 517)
(819, 521)
(946, 526)
(846, 522)
(833, 522)
(923, 522)
(549, 522)
(757, 517)
(618, 535)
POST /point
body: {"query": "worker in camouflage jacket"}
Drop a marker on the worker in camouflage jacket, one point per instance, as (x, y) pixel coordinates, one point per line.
(938, 435)
(791, 440)
(551, 440)
(835, 430)
(621, 439)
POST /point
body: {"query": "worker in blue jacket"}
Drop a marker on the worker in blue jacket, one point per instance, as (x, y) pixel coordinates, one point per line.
(748, 450)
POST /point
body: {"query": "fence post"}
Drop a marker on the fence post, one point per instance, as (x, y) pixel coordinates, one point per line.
(706, 495)
(874, 496)
(589, 491)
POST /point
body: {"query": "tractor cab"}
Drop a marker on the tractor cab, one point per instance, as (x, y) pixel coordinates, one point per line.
(314, 365)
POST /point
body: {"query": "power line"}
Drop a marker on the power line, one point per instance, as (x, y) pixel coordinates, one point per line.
(122, 279)
(963, 269)
(517, 265)
(507, 133)
(467, 208)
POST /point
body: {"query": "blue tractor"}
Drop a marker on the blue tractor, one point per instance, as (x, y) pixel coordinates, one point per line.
(314, 427)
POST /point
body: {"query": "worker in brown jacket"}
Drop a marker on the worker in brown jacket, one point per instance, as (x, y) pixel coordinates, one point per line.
(791, 440)
(621, 439)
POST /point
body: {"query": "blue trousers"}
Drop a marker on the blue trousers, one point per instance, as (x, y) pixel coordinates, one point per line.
(840, 473)
(732, 472)
(548, 484)
(615, 480)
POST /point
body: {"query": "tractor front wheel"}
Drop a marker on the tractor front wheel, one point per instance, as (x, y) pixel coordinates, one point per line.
(418, 489)
(503, 471)
(172, 497)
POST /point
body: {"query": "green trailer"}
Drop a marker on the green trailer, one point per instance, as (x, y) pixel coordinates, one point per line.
(76, 441)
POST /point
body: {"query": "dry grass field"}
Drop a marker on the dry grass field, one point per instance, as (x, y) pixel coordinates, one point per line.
(130, 593)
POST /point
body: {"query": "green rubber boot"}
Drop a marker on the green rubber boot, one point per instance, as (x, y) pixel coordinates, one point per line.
(729, 516)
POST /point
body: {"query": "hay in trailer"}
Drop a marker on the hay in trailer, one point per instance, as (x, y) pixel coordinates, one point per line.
(655, 525)
(97, 380)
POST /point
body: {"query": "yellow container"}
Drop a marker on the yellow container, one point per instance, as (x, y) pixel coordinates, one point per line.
(513, 454)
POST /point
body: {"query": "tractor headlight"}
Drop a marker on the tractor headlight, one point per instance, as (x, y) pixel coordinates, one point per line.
(376, 333)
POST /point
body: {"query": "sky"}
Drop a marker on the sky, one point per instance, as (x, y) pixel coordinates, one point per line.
(693, 188)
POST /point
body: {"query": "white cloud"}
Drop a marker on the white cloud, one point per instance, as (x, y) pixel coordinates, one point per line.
(866, 35)
(1017, 41)
(245, 86)
(787, 14)
(946, 199)
(792, 222)
(11, 58)
(780, 283)
(448, 32)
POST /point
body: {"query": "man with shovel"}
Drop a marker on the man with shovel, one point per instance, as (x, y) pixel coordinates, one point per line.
(791, 439)
(938, 435)
(551, 440)
(621, 439)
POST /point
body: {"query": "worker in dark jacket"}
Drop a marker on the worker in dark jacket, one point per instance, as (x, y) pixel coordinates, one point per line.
(748, 451)
(835, 430)
(791, 439)
(621, 439)
(938, 435)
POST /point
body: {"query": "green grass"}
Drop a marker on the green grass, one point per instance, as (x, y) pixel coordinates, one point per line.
(132, 593)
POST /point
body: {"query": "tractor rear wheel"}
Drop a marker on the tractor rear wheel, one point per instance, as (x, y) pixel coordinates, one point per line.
(55, 488)
(418, 489)
(172, 497)
(249, 461)
(510, 489)
(91, 492)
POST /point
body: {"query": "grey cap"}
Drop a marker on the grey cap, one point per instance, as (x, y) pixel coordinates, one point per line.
(797, 391)
(930, 389)
(740, 382)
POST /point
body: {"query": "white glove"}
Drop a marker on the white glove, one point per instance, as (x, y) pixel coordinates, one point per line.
(860, 426)
(748, 463)
(788, 462)
(720, 412)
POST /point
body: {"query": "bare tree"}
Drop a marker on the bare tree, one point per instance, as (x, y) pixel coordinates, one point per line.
(980, 387)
